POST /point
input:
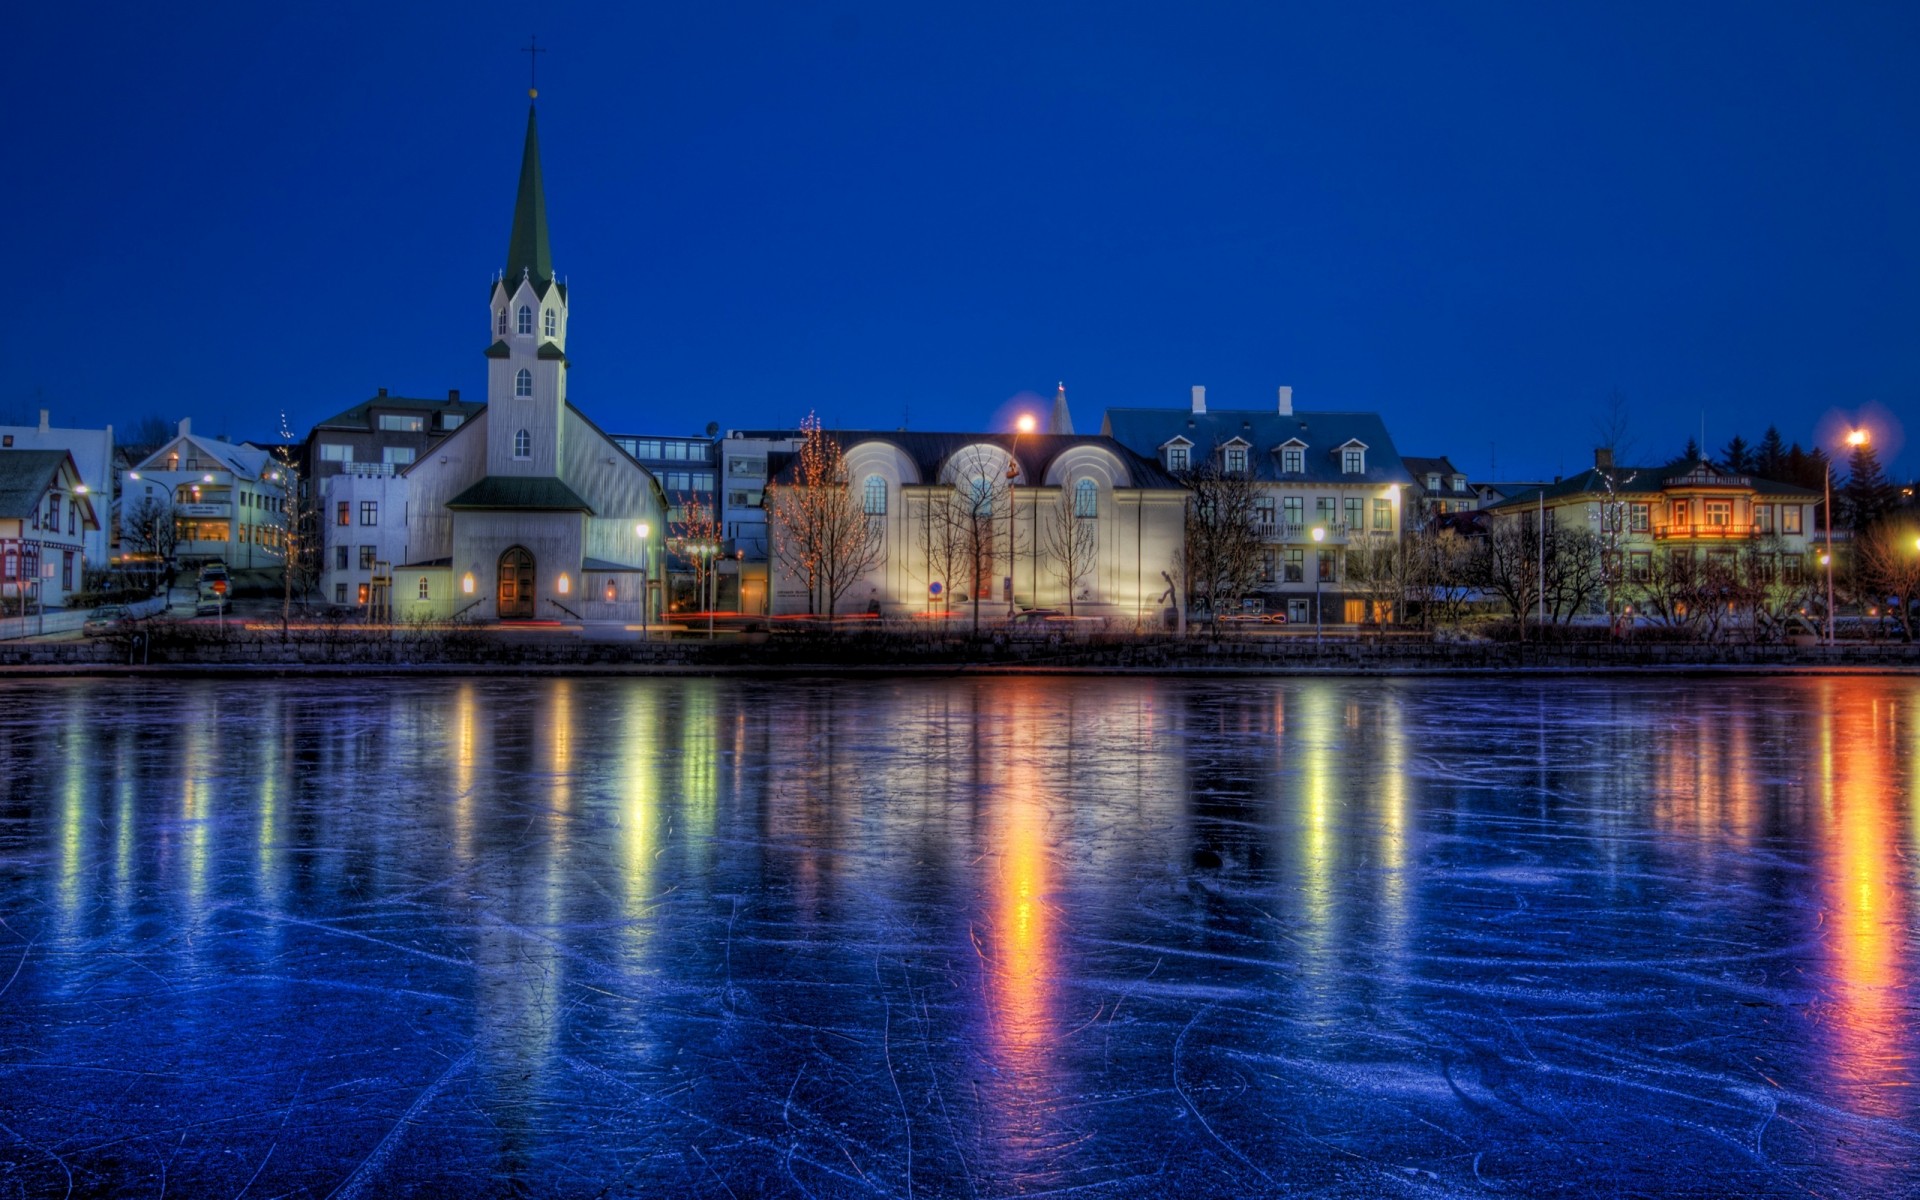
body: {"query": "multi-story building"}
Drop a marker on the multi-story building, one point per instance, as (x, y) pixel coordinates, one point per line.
(355, 462)
(1331, 490)
(1649, 516)
(1439, 488)
(93, 457)
(748, 459)
(46, 513)
(228, 502)
(991, 521)
(684, 469)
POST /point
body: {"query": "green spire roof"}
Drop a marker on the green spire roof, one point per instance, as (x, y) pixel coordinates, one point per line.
(527, 252)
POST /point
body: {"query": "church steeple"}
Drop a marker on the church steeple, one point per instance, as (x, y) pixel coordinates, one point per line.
(528, 254)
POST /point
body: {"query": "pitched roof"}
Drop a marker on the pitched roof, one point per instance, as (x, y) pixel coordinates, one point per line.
(528, 254)
(360, 416)
(1145, 430)
(1643, 481)
(1036, 451)
(248, 459)
(25, 476)
(539, 493)
(1420, 468)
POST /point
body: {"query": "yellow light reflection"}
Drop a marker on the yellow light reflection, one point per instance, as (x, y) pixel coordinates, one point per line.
(1022, 945)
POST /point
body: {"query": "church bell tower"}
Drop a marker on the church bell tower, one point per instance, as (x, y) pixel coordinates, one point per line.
(527, 360)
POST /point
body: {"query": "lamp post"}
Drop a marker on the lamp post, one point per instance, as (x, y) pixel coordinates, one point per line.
(1319, 536)
(1023, 425)
(1855, 437)
(646, 580)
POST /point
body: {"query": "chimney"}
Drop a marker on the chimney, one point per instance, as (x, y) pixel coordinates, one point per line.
(453, 394)
(1286, 401)
(186, 426)
(1199, 399)
(1602, 458)
(383, 391)
(43, 420)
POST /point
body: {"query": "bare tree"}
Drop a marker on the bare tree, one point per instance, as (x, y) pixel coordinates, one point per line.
(695, 534)
(940, 530)
(821, 530)
(1071, 541)
(1507, 565)
(1221, 558)
(149, 530)
(982, 488)
(1377, 569)
(1576, 569)
(1888, 557)
(301, 537)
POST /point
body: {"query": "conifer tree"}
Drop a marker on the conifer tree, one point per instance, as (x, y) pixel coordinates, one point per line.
(1737, 458)
(1770, 460)
(1866, 496)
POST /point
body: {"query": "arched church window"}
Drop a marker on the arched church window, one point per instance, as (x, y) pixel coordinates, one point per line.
(523, 444)
(523, 383)
(1086, 499)
(500, 322)
(876, 496)
(553, 323)
(526, 319)
(423, 588)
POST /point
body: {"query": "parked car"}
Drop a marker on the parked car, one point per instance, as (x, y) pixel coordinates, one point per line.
(105, 619)
(211, 603)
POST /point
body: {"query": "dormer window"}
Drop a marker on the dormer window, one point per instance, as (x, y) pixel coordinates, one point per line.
(552, 323)
(1433, 482)
(523, 382)
(1176, 458)
(1293, 459)
(500, 322)
(526, 319)
(1353, 460)
(1236, 460)
(523, 444)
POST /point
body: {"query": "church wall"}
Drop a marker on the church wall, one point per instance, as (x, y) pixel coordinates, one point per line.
(620, 491)
(455, 465)
(554, 539)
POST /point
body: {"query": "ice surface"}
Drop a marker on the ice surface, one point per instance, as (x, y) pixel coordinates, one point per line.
(1010, 936)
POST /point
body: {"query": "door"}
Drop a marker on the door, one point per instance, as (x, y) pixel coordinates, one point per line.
(516, 585)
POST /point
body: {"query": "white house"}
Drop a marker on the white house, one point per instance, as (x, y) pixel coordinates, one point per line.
(46, 514)
(228, 501)
(92, 451)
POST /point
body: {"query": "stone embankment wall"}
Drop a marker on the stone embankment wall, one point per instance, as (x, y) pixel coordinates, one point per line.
(468, 649)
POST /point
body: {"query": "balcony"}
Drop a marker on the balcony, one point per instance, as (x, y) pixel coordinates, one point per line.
(1338, 532)
(1706, 531)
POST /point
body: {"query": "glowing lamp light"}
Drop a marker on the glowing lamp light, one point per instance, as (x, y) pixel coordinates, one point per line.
(642, 530)
(1319, 534)
(1025, 423)
(565, 584)
(81, 489)
(206, 478)
(133, 474)
(1858, 437)
(466, 583)
(611, 594)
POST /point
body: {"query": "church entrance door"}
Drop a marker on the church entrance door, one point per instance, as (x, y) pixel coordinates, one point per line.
(516, 585)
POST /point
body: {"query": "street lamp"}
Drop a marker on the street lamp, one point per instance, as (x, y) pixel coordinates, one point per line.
(1855, 437)
(646, 582)
(1023, 425)
(1319, 535)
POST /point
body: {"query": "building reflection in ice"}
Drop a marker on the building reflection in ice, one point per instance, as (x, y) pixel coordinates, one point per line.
(975, 935)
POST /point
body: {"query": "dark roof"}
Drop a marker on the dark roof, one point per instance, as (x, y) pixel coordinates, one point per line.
(25, 476)
(1420, 468)
(601, 564)
(1036, 451)
(528, 254)
(360, 416)
(1145, 430)
(1643, 481)
(550, 350)
(542, 493)
(431, 562)
(499, 349)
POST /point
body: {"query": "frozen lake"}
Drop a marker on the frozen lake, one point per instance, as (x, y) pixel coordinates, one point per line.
(960, 937)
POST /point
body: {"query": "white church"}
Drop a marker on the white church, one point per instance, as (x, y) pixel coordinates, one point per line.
(528, 512)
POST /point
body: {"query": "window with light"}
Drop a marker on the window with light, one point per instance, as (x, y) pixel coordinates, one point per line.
(1086, 499)
(874, 499)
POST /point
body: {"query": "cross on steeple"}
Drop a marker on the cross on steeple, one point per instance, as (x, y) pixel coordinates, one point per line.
(532, 48)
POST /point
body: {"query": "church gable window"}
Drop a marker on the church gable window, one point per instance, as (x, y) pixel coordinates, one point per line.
(552, 323)
(523, 383)
(423, 588)
(526, 319)
(500, 323)
(523, 444)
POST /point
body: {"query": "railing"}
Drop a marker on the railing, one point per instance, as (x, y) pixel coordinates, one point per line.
(563, 608)
(1707, 529)
(367, 468)
(1302, 531)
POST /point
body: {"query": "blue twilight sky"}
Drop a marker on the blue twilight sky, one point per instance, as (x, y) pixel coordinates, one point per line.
(1478, 219)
